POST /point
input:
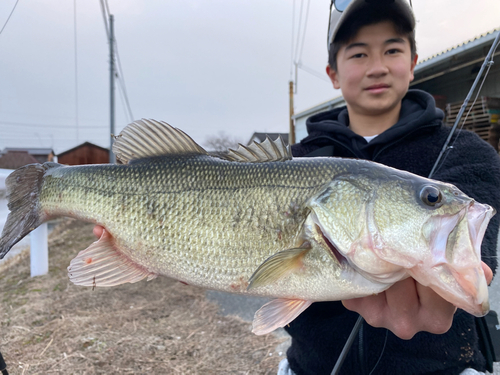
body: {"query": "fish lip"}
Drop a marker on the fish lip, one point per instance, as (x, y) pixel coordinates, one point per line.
(466, 287)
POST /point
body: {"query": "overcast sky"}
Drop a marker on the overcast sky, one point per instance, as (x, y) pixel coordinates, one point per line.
(204, 66)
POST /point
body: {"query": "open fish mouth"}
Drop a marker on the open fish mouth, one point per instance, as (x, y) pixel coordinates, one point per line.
(454, 270)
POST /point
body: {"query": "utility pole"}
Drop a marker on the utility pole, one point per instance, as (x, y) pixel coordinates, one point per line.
(112, 158)
(291, 135)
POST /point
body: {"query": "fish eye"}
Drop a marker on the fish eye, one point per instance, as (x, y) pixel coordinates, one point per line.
(431, 196)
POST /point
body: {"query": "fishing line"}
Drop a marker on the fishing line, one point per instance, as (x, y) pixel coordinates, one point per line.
(382, 352)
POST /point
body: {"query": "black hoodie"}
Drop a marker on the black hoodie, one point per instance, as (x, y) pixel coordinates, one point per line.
(412, 144)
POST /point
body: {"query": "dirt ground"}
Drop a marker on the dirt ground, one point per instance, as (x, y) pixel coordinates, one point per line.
(48, 325)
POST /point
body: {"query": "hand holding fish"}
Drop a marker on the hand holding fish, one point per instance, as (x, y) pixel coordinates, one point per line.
(407, 308)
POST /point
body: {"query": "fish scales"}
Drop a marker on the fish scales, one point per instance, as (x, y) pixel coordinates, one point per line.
(212, 218)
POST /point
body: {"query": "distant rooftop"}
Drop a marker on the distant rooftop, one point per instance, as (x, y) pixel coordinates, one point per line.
(16, 159)
(448, 53)
(261, 137)
(31, 151)
(80, 146)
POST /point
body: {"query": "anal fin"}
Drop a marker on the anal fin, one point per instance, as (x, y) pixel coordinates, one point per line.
(102, 264)
(277, 313)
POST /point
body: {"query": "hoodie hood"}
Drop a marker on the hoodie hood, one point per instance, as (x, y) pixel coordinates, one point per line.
(418, 112)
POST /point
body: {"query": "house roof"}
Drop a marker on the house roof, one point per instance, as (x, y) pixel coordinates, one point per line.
(16, 159)
(82, 145)
(479, 40)
(325, 106)
(262, 137)
(31, 151)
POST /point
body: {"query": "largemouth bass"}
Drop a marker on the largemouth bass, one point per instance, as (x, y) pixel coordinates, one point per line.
(258, 222)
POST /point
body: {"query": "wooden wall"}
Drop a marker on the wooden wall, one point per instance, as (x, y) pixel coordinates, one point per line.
(84, 154)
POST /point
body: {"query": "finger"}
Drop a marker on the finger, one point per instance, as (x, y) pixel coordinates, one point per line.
(371, 308)
(403, 308)
(98, 231)
(402, 298)
(436, 314)
(488, 273)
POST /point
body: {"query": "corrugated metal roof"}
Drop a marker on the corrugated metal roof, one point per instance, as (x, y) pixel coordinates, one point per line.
(329, 104)
(452, 51)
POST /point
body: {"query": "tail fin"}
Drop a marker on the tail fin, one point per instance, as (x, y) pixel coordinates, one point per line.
(23, 190)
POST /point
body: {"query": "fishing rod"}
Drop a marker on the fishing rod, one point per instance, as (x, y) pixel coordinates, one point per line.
(488, 62)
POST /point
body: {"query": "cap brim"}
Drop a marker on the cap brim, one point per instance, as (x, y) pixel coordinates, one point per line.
(337, 18)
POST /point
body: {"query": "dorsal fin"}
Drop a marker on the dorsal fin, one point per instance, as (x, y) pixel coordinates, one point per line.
(145, 138)
(261, 152)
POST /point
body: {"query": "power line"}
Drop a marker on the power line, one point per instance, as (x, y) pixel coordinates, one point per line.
(305, 29)
(293, 36)
(122, 82)
(44, 125)
(298, 31)
(8, 18)
(76, 70)
(103, 11)
(123, 100)
(313, 72)
(120, 75)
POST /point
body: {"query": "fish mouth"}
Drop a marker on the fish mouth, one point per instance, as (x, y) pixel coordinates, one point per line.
(335, 252)
(454, 269)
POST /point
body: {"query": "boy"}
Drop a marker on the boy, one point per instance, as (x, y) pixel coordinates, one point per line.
(372, 56)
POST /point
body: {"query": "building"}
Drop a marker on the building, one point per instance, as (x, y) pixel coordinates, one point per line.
(16, 157)
(40, 154)
(261, 137)
(86, 153)
(448, 76)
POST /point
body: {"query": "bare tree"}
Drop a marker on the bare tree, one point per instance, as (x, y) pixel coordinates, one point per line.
(221, 142)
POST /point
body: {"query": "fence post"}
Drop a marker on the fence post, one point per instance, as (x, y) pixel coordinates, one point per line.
(39, 251)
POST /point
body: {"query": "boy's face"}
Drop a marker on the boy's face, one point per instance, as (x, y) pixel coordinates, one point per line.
(374, 70)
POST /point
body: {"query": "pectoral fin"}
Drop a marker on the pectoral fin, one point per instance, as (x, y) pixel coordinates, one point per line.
(102, 264)
(278, 265)
(277, 313)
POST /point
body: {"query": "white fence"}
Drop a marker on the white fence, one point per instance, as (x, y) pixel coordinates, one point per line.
(39, 254)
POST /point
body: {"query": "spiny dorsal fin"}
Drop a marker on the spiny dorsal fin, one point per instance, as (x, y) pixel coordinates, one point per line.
(261, 152)
(145, 138)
